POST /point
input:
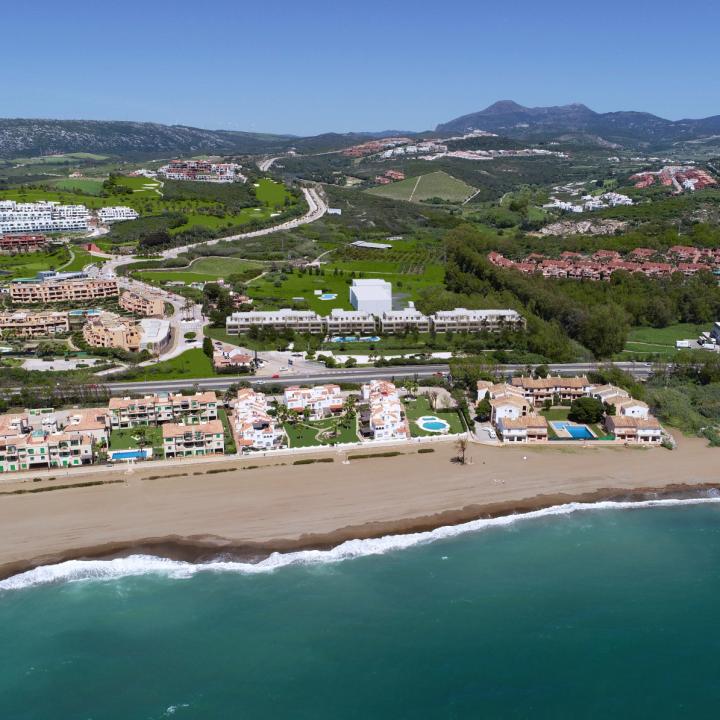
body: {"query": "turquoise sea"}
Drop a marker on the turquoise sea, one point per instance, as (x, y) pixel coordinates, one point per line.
(602, 613)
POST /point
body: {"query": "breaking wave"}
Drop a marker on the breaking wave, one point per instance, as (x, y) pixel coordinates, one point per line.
(78, 570)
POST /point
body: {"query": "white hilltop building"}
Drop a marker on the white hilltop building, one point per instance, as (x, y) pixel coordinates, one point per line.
(385, 419)
(116, 213)
(46, 216)
(371, 295)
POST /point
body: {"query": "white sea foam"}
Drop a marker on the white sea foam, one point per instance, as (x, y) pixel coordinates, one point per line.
(77, 570)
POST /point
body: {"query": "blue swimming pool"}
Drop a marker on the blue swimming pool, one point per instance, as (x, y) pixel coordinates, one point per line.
(354, 338)
(576, 432)
(432, 423)
(328, 296)
(130, 454)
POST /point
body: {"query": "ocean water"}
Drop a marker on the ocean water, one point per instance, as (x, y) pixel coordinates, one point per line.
(568, 613)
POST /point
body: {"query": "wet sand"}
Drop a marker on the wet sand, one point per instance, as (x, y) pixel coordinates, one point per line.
(255, 506)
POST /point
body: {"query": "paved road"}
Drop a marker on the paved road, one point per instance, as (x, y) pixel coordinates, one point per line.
(351, 375)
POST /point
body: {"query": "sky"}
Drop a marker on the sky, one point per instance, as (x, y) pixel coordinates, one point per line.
(316, 66)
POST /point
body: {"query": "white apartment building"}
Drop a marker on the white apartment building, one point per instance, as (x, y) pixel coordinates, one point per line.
(350, 322)
(385, 419)
(464, 320)
(49, 216)
(116, 213)
(524, 429)
(322, 400)
(252, 425)
(155, 335)
(186, 440)
(371, 295)
(38, 449)
(398, 321)
(298, 320)
(129, 412)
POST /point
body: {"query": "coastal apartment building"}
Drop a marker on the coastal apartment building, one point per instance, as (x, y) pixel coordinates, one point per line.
(564, 389)
(524, 429)
(506, 401)
(16, 244)
(301, 321)
(27, 324)
(155, 409)
(145, 305)
(475, 321)
(393, 322)
(55, 291)
(117, 213)
(202, 171)
(186, 440)
(47, 216)
(109, 330)
(321, 400)
(350, 322)
(252, 425)
(38, 450)
(637, 430)
(384, 418)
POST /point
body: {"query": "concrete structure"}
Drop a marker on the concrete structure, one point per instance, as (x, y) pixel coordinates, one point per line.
(15, 244)
(185, 440)
(109, 330)
(350, 322)
(118, 213)
(463, 320)
(27, 324)
(162, 407)
(252, 425)
(56, 291)
(42, 217)
(321, 400)
(145, 305)
(371, 295)
(298, 320)
(393, 322)
(155, 335)
(385, 418)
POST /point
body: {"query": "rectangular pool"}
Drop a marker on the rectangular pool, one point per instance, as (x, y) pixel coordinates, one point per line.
(576, 432)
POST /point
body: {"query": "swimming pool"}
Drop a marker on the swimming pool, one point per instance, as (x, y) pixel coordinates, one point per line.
(328, 296)
(130, 454)
(432, 423)
(354, 338)
(576, 432)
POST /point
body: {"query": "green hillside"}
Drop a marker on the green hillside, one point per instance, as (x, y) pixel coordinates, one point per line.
(433, 185)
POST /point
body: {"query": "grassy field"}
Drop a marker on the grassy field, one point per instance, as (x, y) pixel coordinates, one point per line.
(28, 265)
(205, 269)
(415, 409)
(191, 364)
(661, 341)
(126, 438)
(319, 432)
(92, 186)
(275, 290)
(81, 259)
(270, 192)
(62, 159)
(416, 189)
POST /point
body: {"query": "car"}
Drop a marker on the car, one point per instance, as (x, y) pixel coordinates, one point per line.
(492, 434)
(275, 376)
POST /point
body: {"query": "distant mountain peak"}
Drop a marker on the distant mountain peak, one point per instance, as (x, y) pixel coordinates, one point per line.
(501, 107)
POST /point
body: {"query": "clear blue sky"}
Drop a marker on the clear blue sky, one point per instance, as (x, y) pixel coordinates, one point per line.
(313, 66)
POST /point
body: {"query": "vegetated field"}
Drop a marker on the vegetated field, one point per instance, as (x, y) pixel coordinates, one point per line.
(125, 438)
(435, 184)
(321, 432)
(270, 192)
(268, 296)
(91, 186)
(415, 409)
(647, 340)
(62, 159)
(205, 269)
(81, 259)
(191, 364)
(28, 265)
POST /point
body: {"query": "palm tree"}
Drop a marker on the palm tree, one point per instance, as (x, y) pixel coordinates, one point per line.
(282, 413)
(461, 445)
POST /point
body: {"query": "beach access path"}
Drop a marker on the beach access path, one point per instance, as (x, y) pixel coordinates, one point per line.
(256, 505)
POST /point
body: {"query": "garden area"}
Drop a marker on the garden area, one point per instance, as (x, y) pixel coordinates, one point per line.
(330, 431)
(421, 407)
(137, 437)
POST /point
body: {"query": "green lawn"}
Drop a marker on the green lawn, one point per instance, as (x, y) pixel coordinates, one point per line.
(661, 341)
(435, 184)
(417, 408)
(270, 192)
(205, 269)
(126, 438)
(81, 259)
(305, 434)
(28, 265)
(92, 186)
(61, 159)
(229, 439)
(191, 364)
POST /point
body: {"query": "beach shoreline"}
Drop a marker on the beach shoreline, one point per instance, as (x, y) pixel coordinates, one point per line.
(246, 510)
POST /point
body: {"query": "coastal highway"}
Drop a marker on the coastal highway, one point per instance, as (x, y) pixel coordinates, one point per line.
(352, 375)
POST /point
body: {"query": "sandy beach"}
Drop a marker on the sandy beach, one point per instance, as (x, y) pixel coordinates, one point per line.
(251, 507)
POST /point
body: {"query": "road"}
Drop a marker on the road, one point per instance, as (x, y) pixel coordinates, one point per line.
(352, 375)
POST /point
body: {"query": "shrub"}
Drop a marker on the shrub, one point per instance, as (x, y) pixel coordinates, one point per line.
(425, 450)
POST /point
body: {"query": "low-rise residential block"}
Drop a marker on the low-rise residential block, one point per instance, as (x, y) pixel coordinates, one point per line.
(320, 400)
(253, 426)
(410, 319)
(350, 322)
(301, 321)
(28, 324)
(191, 439)
(385, 417)
(109, 330)
(126, 412)
(117, 213)
(144, 305)
(46, 216)
(76, 290)
(475, 321)
(17, 244)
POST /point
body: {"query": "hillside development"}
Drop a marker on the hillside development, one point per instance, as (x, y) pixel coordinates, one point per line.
(426, 187)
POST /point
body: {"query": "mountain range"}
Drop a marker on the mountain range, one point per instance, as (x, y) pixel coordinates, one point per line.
(635, 129)
(131, 140)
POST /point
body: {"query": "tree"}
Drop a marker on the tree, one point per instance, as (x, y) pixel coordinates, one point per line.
(484, 408)
(604, 330)
(208, 347)
(461, 445)
(586, 410)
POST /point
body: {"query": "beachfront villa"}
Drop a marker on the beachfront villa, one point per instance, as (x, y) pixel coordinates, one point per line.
(321, 400)
(252, 424)
(384, 418)
(524, 429)
(191, 439)
(129, 412)
(637, 430)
